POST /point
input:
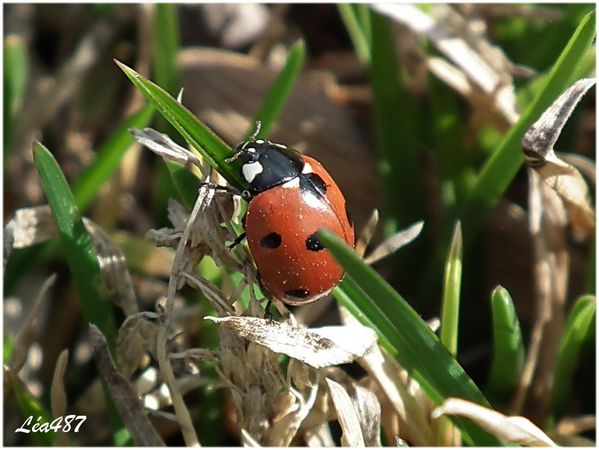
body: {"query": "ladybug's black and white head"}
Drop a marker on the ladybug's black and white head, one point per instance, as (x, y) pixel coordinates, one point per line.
(266, 164)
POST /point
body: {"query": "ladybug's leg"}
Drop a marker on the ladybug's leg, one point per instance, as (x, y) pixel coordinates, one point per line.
(241, 237)
(229, 189)
(237, 241)
(267, 309)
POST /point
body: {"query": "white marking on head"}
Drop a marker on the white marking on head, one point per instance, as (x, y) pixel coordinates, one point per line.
(250, 170)
(260, 141)
(307, 168)
(292, 184)
(251, 150)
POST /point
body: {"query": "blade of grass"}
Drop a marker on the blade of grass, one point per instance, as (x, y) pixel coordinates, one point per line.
(166, 46)
(579, 326)
(396, 131)
(450, 312)
(455, 165)
(108, 159)
(413, 343)
(358, 35)
(198, 135)
(501, 167)
(279, 91)
(16, 69)
(77, 243)
(31, 407)
(508, 347)
(81, 257)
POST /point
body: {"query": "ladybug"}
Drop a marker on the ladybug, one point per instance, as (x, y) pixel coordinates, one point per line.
(291, 197)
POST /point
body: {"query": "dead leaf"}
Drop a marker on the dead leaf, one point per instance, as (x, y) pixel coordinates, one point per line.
(137, 337)
(164, 146)
(510, 429)
(58, 396)
(125, 398)
(367, 233)
(394, 243)
(114, 270)
(29, 226)
(26, 334)
(284, 427)
(576, 425)
(393, 381)
(317, 347)
(562, 177)
(347, 415)
(485, 66)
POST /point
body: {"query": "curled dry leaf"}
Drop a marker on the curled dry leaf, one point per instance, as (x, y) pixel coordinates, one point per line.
(247, 440)
(26, 334)
(395, 383)
(365, 403)
(165, 147)
(284, 427)
(137, 337)
(29, 226)
(510, 429)
(58, 396)
(347, 415)
(113, 268)
(394, 243)
(576, 425)
(562, 177)
(366, 233)
(318, 348)
(125, 398)
(486, 68)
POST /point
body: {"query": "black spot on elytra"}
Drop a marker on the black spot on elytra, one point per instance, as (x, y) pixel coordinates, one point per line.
(318, 182)
(298, 293)
(313, 244)
(272, 240)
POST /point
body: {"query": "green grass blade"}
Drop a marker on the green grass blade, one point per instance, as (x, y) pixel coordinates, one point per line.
(355, 29)
(450, 312)
(412, 342)
(501, 167)
(280, 90)
(77, 243)
(108, 158)
(16, 70)
(85, 189)
(31, 407)
(166, 46)
(508, 347)
(396, 131)
(198, 135)
(579, 327)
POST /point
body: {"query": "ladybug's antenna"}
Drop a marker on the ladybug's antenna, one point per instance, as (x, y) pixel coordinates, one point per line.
(255, 135)
(242, 145)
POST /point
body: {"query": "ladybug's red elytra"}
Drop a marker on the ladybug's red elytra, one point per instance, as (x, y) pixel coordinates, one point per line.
(291, 197)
